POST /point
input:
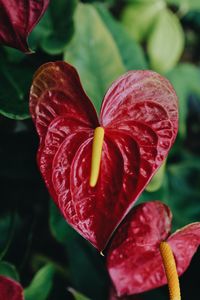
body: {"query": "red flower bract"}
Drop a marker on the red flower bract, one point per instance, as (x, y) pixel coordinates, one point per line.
(140, 117)
(10, 289)
(17, 19)
(134, 260)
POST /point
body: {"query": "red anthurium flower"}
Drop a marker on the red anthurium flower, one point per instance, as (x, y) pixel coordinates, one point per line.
(17, 20)
(10, 289)
(134, 260)
(136, 128)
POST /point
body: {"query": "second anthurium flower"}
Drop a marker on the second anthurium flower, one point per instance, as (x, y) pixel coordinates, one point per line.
(95, 168)
(10, 289)
(134, 258)
(17, 20)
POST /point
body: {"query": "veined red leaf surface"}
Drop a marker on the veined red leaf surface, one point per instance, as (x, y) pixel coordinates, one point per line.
(10, 289)
(17, 20)
(133, 258)
(140, 118)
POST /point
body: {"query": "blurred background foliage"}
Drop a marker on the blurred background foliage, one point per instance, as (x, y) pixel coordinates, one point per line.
(102, 40)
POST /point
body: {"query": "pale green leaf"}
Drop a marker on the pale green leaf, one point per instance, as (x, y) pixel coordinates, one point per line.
(186, 5)
(77, 295)
(139, 17)
(186, 80)
(166, 42)
(157, 180)
(94, 53)
(131, 52)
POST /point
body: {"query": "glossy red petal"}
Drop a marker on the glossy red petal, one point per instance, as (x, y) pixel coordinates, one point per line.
(140, 117)
(184, 243)
(113, 296)
(94, 207)
(61, 173)
(59, 129)
(135, 95)
(57, 91)
(17, 19)
(10, 289)
(133, 259)
(143, 104)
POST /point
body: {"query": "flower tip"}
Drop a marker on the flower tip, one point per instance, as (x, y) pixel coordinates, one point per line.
(93, 182)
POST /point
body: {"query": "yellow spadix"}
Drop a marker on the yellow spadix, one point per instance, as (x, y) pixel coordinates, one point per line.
(96, 155)
(170, 270)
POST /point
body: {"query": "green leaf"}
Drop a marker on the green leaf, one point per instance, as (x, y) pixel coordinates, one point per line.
(42, 31)
(41, 284)
(6, 233)
(86, 266)
(14, 55)
(139, 17)
(94, 53)
(131, 52)
(8, 270)
(186, 5)
(15, 81)
(159, 194)
(59, 227)
(77, 295)
(180, 191)
(144, 1)
(184, 191)
(157, 180)
(56, 27)
(186, 81)
(166, 42)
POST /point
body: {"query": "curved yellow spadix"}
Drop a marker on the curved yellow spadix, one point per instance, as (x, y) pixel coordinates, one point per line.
(96, 155)
(171, 271)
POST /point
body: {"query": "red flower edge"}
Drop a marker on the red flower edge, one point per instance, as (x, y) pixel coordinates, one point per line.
(133, 259)
(113, 296)
(139, 115)
(10, 289)
(17, 20)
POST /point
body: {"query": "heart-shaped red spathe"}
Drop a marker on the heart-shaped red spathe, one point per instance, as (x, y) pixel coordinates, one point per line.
(133, 258)
(10, 289)
(17, 20)
(140, 117)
